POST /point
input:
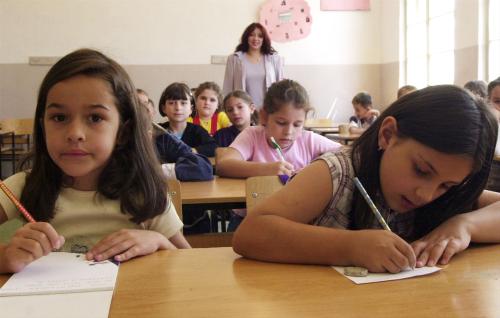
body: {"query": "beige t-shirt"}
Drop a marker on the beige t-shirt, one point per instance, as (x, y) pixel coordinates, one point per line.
(85, 217)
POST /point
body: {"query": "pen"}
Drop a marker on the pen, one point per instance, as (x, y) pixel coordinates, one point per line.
(278, 148)
(371, 204)
(16, 202)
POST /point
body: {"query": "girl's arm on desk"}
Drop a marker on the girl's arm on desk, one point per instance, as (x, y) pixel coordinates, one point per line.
(29, 243)
(455, 235)
(277, 230)
(230, 163)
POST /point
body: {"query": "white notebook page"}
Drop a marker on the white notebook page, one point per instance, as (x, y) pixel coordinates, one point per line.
(61, 273)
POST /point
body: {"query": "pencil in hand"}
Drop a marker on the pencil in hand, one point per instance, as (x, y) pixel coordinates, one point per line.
(371, 204)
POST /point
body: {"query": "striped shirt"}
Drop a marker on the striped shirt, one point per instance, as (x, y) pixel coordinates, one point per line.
(338, 213)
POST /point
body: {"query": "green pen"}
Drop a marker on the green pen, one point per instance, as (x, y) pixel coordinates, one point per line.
(278, 148)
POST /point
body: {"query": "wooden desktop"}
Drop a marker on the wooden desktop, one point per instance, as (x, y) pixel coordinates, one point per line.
(216, 282)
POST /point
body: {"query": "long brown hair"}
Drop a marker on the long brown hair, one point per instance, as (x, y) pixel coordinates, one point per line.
(132, 174)
(266, 47)
(445, 118)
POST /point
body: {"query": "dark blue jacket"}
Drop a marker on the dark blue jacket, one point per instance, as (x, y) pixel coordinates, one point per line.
(198, 138)
(225, 136)
(189, 166)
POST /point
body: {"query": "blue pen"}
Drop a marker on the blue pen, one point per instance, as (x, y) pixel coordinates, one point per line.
(371, 204)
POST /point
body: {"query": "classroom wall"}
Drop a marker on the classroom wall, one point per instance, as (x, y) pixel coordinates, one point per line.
(160, 41)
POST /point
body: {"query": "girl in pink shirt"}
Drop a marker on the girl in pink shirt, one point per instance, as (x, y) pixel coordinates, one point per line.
(251, 154)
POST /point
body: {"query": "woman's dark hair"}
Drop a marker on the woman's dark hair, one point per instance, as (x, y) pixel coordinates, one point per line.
(363, 98)
(477, 87)
(445, 118)
(266, 47)
(175, 91)
(132, 175)
(491, 86)
(286, 92)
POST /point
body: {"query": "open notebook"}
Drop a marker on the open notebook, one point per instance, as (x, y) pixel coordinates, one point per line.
(57, 284)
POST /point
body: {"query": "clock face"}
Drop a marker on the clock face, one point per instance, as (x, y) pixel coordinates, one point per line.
(286, 20)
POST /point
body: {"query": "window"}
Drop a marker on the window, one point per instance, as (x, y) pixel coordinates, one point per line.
(493, 40)
(429, 42)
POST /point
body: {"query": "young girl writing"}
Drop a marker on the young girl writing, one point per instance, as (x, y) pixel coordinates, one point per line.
(207, 113)
(94, 184)
(239, 107)
(364, 114)
(427, 178)
(282, 117)
(176, 104)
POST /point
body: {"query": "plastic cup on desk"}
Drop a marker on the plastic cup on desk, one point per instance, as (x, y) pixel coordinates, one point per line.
(344, 129)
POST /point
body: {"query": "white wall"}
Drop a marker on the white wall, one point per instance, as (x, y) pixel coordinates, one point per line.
(168, 33)
(176, 31)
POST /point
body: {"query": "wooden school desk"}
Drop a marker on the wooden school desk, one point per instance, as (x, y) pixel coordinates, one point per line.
(217, 195)
(346, 139)
(218, 283)
(325, 130)
(215, 282)
(216, 191)
(319, 123)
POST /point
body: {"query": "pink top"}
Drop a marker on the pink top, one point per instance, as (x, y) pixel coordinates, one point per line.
(253, 146)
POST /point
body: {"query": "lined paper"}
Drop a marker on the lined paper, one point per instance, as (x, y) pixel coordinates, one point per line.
(61, 273)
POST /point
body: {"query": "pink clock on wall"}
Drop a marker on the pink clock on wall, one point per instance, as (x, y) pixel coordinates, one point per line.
(286, 20)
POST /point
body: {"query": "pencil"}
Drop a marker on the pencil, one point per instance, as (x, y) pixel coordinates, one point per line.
(160, 128)
(16, 202)
(371, 204)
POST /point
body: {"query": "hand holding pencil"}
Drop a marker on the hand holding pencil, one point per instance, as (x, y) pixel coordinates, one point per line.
(30, 242)
(385, 251)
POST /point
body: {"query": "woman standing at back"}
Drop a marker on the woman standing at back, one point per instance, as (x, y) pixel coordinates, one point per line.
(254, 66)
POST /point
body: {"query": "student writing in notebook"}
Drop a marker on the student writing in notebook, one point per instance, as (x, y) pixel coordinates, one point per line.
(426, 178)
(176, 103)
(239, 107)
(93, 182)
(208, 113)
(251, 154)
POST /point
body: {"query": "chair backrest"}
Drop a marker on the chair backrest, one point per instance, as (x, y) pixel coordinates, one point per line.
(259, 188)
(174, 192)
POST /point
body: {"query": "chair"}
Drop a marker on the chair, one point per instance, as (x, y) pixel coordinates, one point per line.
(197, 240)
(15, 140)
(259, 188)
(174, 192)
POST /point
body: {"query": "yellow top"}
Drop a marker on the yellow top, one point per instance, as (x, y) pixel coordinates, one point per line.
(222, 122)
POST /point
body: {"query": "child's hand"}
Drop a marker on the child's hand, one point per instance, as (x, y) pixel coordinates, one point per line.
(371, 113)
(381, 251)
(448, 239)
(279, 167)
(126, 244)
(29, 243)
